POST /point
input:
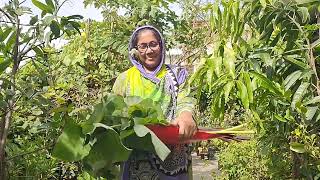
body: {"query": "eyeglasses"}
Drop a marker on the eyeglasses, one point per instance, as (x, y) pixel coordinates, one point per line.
(144, 46)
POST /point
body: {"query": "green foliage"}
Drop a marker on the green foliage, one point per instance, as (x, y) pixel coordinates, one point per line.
(270, 70)
(114, 128)
(242, 161)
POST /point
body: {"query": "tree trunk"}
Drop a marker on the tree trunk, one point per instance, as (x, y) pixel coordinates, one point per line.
(5, 123)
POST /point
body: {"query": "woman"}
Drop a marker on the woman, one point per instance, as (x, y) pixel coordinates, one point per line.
(151, 78)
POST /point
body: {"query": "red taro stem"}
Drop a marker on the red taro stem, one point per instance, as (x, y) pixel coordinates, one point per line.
(170, 134)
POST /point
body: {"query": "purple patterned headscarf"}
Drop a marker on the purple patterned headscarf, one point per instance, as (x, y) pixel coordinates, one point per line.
(153, 75)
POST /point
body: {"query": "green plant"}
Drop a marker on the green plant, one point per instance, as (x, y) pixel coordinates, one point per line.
(114, 128)
(241, 160)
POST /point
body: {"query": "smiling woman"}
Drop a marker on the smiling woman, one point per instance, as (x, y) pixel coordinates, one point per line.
(166, 85)
(149, 49)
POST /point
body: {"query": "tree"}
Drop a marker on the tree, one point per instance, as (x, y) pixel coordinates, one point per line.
(269, 54)
(20, 43)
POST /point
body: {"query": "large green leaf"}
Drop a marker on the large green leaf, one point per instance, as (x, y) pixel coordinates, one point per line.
(161, 149)
(70, 144)
(107, 149)
(298, 95)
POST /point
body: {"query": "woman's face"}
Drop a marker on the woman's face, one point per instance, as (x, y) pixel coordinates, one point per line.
(149, 50)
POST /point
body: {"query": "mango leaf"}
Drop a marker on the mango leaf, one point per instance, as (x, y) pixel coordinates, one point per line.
(4, 34)
(106, 150)
(161, 149)
(229, 61)
(55, 29)
(313, 100)
(304, 13)
(263, 3)
(297, 147)
(247, 81)
(266, 83)
(50, 4)
(42, 6)
(291, 79)
(70, 144)
(217, 64)
(300, 2)
(296, 62)
(298, 95)
(311, 111)
(243, 94)
(4, 63)
(227, 88)
(280, 118)
(210, 71)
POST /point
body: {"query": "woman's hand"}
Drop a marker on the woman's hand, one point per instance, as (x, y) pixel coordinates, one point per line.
(186, 124)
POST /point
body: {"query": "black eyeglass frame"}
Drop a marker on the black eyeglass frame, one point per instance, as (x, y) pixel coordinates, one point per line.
(148, 45)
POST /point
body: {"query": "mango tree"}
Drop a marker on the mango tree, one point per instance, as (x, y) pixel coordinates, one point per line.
(265, 59)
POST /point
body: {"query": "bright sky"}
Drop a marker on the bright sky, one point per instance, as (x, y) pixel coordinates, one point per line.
(70, 7)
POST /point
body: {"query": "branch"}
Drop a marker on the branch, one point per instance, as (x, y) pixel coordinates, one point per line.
(30, 48)
(6, 14)
(16, 23)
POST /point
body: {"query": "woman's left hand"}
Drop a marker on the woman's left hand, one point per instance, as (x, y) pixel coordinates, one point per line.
(187, 126)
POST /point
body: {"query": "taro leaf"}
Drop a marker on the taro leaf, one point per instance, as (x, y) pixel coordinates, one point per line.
(70, 144)
(148, 141)
(106, 150)
(96, 116)
(131, 100)
(110, 111)
(147, 109)
(297, 147)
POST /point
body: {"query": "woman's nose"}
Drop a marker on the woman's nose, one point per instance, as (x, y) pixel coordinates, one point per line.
(149, 50)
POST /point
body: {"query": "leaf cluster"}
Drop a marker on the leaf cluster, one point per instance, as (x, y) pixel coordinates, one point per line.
(115, 127)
